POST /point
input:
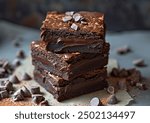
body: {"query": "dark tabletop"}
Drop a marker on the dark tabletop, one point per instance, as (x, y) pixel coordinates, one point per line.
(139, 41)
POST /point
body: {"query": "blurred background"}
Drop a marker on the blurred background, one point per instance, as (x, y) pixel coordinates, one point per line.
(120, 14)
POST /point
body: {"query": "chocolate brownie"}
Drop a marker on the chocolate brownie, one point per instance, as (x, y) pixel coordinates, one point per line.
(72, 89)
(79, 25)
(67, 66)
(59, 82)
(75, 45)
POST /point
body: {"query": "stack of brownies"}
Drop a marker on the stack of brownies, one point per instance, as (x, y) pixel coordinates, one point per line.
(71, 57)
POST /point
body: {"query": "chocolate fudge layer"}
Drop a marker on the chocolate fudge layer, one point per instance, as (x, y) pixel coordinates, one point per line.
(60, 82)
(70, 25)
(73, 89)
(67, 66)
(75, 45)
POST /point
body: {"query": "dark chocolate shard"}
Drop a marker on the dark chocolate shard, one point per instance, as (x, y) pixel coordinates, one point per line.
(123, 50)
(4, 94)
(123, 73)
(95, 102)
(74, 27)
(16, 62)
(14, 79)
(35, 90)
(37, 98)
(111, 90)
(115, 72)
(26, 92)
(141, 86)
(18, 95)
(26, 76)
(112, 99)
(2, 88)
(139, 63)
(21, 54)
(70, 13)
(2, 72)
(77, 17)
(123, 84)
(8, 86)
(44, 103)
(66, 18)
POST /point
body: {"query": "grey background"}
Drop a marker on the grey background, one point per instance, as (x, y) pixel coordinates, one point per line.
(120, 14)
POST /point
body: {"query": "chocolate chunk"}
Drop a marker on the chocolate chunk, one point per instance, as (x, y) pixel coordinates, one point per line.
(84, 22)
(2, 72)
(69, 13)
(6, 65)
(123, 50)
(4, 94)
(74, 26)
(139, 63)
(16, 63)
(44, 103)
(77, 17)
(2, 88)
(37, 98)
(18, 95)
(8, 86)
(20, 54)
(95, 102)
(14, 79)
(123, 73)
(122, 84)
(112, 99)
(66, 18)
(141, 86)
(111, 89)
(26, 76)
(26, 92)
(115, 72)
(35, 90)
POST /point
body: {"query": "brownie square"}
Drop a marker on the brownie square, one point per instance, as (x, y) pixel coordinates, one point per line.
(79, 25)
(67, 65)
(73, 88)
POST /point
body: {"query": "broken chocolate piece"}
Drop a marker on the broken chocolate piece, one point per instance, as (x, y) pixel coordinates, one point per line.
(37, 98)
(26, 76)
(111, 89)
(141, 86)
(20, 54)
(44, 103)
(95, 102)
(18, 95)
(123, 73)
(8, 86)
(74, 27)
(26, 92)
(115, 72)
(35, 90)
(123, 50)
(139, 63)
(2, 72)
(16, 63)
(123, 84)
(4, 94)
(112, 99)
(66, 18)
(70, 13)
(14, 79)
(2, 88)
(77, 17)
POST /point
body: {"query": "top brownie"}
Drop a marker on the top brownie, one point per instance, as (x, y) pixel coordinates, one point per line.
(80, 25)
